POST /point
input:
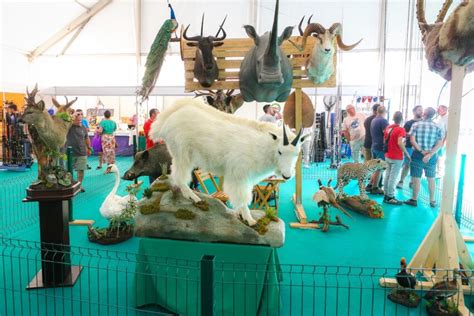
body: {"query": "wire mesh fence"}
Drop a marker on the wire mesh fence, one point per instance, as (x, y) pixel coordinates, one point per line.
(123, 283)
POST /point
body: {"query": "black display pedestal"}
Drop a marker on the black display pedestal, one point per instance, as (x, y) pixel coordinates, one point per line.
(56, 269)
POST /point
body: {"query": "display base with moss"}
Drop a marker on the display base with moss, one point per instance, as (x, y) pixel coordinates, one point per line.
(406, 298)
(108, 236)
(442, 308)
(365, 207)
(170, 215)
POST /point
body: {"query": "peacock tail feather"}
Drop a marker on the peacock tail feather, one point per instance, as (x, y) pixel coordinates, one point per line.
(155, 58)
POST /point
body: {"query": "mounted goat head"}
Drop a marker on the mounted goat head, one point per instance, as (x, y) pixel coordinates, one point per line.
(223, 101)
(265, 73)
(450, 42)
(205, 66)
(320, 64)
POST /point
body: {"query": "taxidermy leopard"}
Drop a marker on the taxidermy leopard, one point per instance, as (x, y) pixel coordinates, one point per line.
(360, 171)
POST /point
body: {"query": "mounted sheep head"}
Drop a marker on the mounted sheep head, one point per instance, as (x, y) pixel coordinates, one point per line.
(320, 65)
(205, 66)
(450, 42)
(265, 73)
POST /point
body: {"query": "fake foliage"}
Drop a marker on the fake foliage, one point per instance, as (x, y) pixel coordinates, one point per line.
(64, 116)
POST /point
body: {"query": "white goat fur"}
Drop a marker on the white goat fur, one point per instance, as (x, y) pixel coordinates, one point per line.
(320, 65)
(242, 150)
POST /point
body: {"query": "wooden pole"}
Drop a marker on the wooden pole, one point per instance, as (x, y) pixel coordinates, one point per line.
(298, 126)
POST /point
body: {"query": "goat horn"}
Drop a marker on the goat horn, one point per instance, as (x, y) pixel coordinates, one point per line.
(68, 104)
(297, 138)
(420, 14)
(309, 19)
(312, 28)
(443, 11)
(299, 26)
(193, 38)
(336, 29)
(56, 103)
(329, 182)
(285, 137)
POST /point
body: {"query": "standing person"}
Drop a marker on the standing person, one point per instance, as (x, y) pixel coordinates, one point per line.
(368, 136)
(353, 130)
(146, 129)
(84, 123)
(426, 139)
(78, 139)
(442, 122)
(394, 136)
(417, 115)
(377, 128)
(107, 127)
(269, 115)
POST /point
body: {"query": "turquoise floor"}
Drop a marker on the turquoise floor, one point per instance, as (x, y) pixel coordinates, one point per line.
(374, 243)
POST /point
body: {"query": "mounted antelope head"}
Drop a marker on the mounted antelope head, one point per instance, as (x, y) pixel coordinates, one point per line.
(205, 66)
(320, 64)
(265, 73)
(450, 42)
(223, 101)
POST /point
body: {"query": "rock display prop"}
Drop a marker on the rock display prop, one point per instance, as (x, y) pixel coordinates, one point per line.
(365, 207)
(404, 297)
(169, 215)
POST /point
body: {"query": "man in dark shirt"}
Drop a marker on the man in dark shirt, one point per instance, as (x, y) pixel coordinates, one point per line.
(417, 116)
(377, 128)
(78, 139)
(368, 136)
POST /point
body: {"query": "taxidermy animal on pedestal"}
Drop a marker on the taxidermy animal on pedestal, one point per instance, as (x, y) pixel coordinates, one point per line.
(48, 132)
(266, 74)
(451, 41)
(320, 64)
(205, 65)
(242, 151)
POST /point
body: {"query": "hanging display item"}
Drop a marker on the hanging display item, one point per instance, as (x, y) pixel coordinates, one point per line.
(307, 111)
(223, 100)
(320, 64)
(448, 42)
(205, 65)
(266, 74)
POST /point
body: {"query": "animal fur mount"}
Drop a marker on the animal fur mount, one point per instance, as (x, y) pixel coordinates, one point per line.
(48, 132)
(357, 171)
(205, 65)
(223, 101)
(320, 64)
(243, 151)
(451, 41)
(266, 74)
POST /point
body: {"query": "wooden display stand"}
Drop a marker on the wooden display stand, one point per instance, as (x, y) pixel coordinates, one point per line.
(443, 245)
(229, 57)
(56, 269)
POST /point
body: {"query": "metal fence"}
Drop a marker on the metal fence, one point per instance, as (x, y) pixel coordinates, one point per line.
(117, 283)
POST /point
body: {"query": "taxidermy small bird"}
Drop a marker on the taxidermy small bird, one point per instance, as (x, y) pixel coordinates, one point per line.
(405, 279)
(327, 196)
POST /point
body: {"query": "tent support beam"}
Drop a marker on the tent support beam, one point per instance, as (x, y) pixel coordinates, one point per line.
(73, 38)
(138, 31)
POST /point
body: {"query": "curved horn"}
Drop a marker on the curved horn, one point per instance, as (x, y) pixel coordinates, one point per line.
(299, 26)
(309, 19)
(202, 24)
(420, 14)
(56, 103)
(312, 28)
(297, 138)
(443, 11)
(216, 38)
(336, 29)
(329, 182)
(285, 137)
(193, 38)
(68, 104)
(320, 183)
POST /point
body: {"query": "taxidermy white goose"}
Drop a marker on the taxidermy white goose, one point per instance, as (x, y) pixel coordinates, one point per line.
(114, 204)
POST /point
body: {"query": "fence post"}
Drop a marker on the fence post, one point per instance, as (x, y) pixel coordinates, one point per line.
(207, 285)
(135, 150)
(458, 208)
(70, 169)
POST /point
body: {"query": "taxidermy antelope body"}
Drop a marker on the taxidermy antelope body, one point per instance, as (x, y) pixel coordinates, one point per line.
(451, 41)
(48, 132)
(223, 101)
(205, 66)
(243, 151)
(265, 73)
(320, 64)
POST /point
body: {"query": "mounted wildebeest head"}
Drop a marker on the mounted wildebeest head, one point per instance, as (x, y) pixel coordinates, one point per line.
(222, 100)
(320, 65)
(265, 73)
(205, 66)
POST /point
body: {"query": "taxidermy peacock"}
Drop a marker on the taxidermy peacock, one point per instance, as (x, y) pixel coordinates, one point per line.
(156, 56)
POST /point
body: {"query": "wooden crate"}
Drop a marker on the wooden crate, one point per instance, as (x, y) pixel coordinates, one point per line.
(230, 55)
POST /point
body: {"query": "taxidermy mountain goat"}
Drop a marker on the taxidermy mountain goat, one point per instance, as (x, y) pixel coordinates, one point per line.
(205, 66)
(320, 64)
(266, 74)
(243, 151)
(451, 41)
(48, 132)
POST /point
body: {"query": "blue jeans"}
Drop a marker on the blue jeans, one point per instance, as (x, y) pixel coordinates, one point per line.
(392, 174)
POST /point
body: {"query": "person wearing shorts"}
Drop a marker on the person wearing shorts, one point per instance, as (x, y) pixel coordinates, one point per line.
(426, 139)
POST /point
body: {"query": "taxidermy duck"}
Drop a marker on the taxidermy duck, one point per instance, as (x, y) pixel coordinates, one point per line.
(405, 279)
(114, 204)
(443, 289)
(327, 196)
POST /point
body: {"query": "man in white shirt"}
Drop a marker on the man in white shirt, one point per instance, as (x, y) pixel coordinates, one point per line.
(354, 131)
(269, 115)
(442, 122)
